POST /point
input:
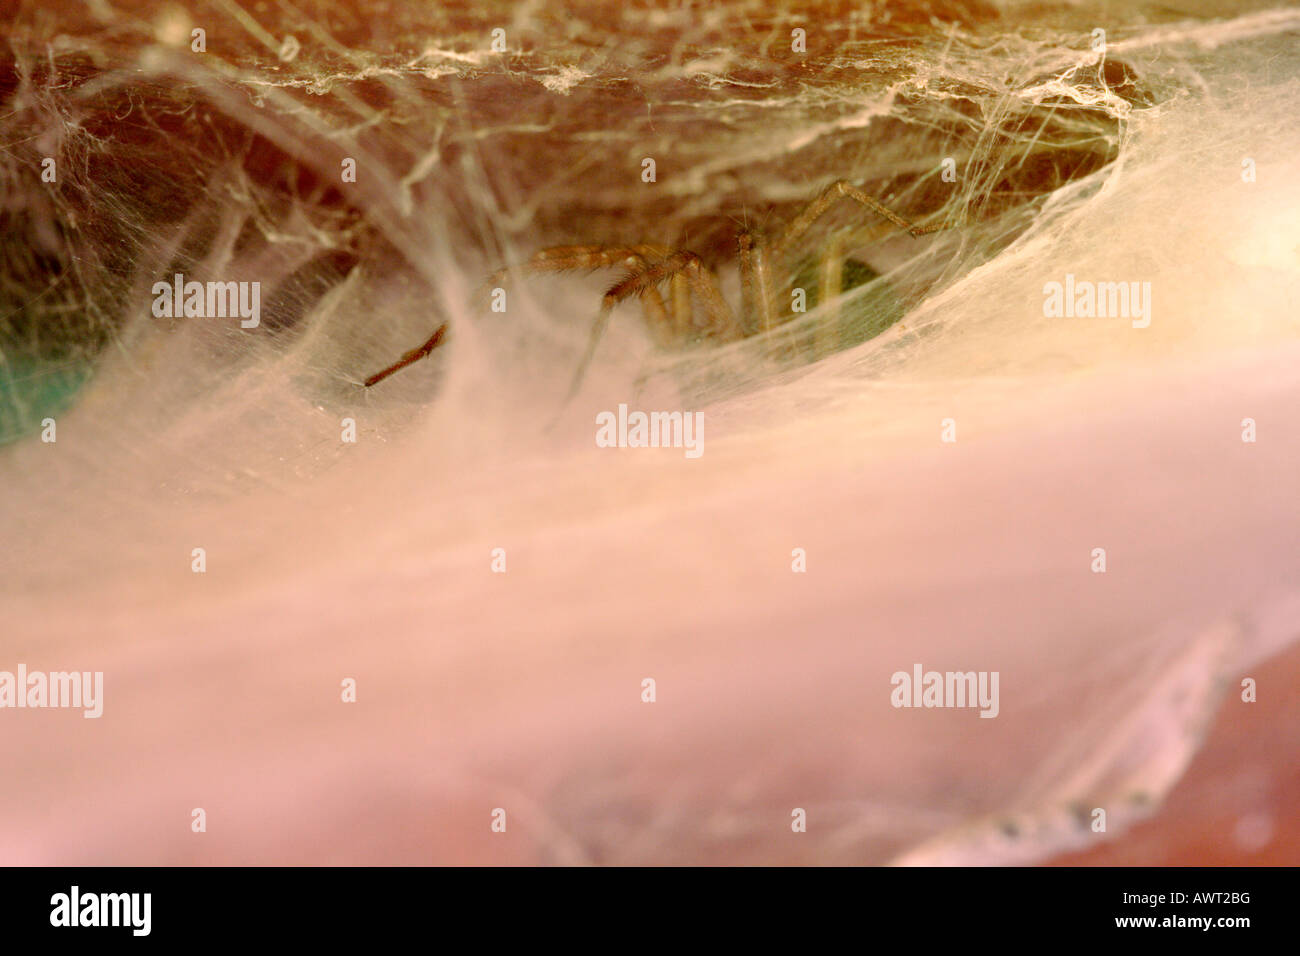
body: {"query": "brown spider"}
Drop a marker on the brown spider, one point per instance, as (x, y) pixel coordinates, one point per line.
(650, 266)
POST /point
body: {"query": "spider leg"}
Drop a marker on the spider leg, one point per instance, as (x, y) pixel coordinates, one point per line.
(680, 288)
(830, 283)
(636, 258)
(841, 189)
(410, 357)
(932, 227)
(657, 317)
(699, 282)
(560, 259)
(759, 310)
(704, 287)
(569, 258)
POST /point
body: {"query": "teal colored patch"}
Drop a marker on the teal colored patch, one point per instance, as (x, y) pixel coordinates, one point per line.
(33, 389)
(864, 316)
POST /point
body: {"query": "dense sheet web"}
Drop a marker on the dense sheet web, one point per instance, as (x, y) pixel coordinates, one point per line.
(1162, 151)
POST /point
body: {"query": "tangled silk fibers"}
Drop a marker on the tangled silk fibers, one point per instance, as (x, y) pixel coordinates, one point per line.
(1165, 157)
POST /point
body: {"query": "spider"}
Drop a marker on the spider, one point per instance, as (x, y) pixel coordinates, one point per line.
(650, 266)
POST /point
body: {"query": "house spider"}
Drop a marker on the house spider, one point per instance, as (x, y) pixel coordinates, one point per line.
(690, 281)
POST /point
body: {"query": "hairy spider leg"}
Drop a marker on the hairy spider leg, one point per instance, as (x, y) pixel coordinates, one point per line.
(680, 288)
(842, 189)
(699, 283)
(635, 258)
(667, 327)
(410, 357)
(830, 283)
(560, 259)
(758, 297)
(755, 263)
(568, 258)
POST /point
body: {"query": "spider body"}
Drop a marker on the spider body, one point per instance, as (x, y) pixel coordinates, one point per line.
(651, 269)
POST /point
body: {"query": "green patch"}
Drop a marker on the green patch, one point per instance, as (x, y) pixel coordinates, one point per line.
(863, 316)
(33, 389)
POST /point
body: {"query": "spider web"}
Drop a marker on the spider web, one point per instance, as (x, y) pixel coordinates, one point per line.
(332, 558)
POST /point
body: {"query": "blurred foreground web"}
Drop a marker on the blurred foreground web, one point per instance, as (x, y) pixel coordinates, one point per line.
(330, 559)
